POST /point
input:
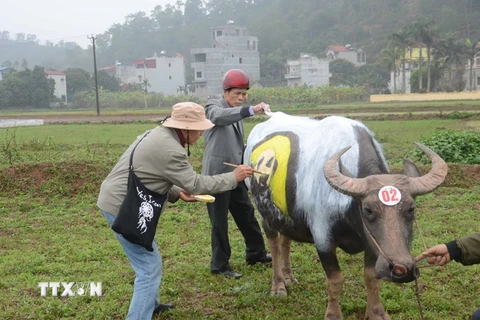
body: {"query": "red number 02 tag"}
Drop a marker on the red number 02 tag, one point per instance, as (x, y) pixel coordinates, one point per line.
(389, 195)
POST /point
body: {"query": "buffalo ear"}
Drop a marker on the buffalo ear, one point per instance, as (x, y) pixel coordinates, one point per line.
(344, 170)
(410, 169)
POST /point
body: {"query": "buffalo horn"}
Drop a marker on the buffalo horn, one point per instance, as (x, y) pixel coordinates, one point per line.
(434, 178)
(346, 185)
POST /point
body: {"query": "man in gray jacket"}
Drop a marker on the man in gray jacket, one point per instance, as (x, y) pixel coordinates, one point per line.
(225, 143)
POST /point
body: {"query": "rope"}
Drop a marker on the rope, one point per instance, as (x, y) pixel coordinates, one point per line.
(417, 290)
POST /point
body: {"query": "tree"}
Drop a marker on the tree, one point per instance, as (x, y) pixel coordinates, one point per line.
(194, 11)
(24, 64)
(402, 41)
(390, 55)
(424, 32)
(77, 80)
(170, 17)
(107, 81)
(41, 88)
(373, 77)
(450, 51)
(27, 88)
(471, 51)
(342, 71)
(273, 66)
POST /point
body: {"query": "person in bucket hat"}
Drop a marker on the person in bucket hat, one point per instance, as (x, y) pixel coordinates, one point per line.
(162, 165)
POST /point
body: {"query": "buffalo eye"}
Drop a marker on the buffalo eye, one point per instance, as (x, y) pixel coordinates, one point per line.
(368, 213)
(411, 210)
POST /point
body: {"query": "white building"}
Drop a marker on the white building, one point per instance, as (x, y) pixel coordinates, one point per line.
(357, 56)
(162, 74)
(60, 84)
(231, 48)
(308, 70)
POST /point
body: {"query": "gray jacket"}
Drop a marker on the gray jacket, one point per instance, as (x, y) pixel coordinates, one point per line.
(162, 165)
(465, 250)
(225, 141)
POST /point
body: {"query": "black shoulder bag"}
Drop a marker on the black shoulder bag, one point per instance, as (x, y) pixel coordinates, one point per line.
(140, 210)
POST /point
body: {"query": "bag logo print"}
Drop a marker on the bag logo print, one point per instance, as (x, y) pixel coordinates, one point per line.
(145, 212)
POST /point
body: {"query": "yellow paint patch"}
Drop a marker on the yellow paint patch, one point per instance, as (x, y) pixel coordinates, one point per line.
(278, 148)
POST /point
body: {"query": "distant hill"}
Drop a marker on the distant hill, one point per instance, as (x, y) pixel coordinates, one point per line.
(285, 28)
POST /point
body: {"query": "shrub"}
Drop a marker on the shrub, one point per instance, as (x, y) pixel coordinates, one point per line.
(453, 146)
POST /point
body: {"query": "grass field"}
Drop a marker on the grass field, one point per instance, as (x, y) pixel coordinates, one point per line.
(51, 230)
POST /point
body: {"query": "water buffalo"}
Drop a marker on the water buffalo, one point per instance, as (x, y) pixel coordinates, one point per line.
(309, 192)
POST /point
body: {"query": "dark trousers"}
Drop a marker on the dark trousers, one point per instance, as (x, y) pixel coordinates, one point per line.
(243, 213)
(476, 315)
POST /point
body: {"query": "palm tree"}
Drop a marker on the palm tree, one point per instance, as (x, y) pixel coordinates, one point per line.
(450, 50)
(425, 32)
(471, 51)
(402, 41)
(390, 54)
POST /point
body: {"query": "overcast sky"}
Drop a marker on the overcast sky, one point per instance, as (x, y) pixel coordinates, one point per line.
(70, 20)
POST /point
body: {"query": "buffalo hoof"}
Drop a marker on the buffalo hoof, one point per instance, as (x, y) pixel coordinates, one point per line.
(290, 279)
(330, 316)
(372, 316)
(279, 292)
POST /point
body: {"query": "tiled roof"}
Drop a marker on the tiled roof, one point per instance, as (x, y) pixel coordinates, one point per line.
(110, 68)
(338, 48)
(54, 73)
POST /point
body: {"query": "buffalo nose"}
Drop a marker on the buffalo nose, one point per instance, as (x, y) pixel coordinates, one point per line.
(399, 270)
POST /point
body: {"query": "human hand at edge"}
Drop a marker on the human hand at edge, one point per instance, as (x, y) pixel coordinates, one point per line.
(259, 108)
(436, 255)
(186, 196)
(242, 172)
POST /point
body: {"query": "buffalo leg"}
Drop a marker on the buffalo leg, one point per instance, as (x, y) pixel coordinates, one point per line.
(278, 279)
(286, 264)
(334, 284)
(375, 310)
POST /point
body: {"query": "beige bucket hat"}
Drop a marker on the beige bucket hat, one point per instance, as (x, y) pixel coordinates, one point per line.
(188, 116)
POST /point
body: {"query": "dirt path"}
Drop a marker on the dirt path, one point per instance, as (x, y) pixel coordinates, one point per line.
(81, 118)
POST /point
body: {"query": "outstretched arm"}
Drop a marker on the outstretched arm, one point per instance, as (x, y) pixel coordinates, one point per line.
(436, 255)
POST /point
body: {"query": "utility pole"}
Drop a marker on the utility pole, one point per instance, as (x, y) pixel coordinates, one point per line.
(95, 73)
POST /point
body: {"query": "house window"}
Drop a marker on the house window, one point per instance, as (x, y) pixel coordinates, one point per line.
(139, 78)
(199, 75)
(169, 77)
(254, 45)
(169, 65)
(240, 60)
(478, 81)
(477, 61)
(219, 33)
(237, 32)
(200, 57)
(248, 44)
(244, 32)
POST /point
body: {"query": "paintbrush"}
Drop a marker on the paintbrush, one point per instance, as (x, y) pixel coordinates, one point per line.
(236, 165)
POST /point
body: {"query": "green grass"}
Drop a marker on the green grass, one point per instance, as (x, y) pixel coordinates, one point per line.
(51, 230)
